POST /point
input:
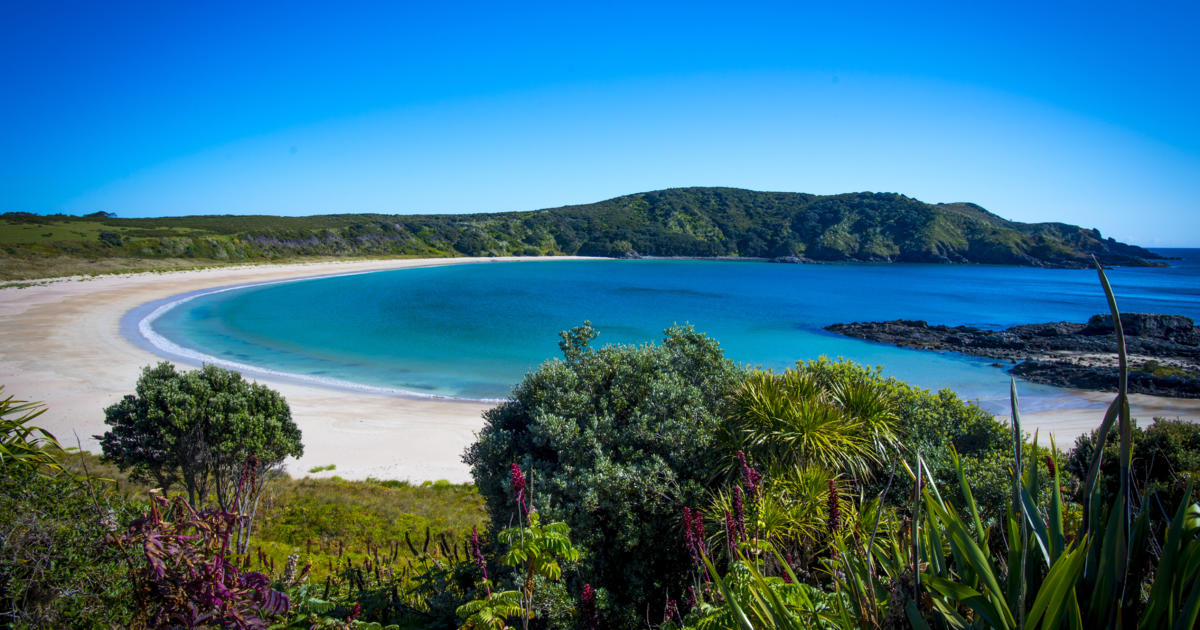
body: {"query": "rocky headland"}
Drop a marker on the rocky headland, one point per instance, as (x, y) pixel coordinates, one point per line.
(1164, 350)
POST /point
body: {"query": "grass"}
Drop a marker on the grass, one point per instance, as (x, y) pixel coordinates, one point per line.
(1163, 370)
(334, 523)
(26, 272)
(35, 268)
(319, 469)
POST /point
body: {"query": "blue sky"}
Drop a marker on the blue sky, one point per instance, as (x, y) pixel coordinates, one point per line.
(1075, 112)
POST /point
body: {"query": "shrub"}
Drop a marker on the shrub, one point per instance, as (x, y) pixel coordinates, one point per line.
(617, 441)
(55, 570)
(1165, 456)
(201, 424)
(934, 423)
(190, 577)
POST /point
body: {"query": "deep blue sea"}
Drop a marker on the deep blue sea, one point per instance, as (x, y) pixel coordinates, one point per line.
(474, 330)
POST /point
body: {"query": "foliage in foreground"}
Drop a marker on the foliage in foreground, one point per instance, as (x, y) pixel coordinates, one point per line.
(1164, 456)
(201, 427)
(948, 570)
(55, 569)
(23, 444)
(534, 551)
(617, 441)
(913, 549)
(190, 576)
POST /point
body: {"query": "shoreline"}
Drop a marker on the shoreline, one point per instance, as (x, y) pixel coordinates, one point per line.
(63, 344)
(137, 328)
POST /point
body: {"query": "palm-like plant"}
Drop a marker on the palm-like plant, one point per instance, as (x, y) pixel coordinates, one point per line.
(22, 443)
(789, 421)
(872, 408)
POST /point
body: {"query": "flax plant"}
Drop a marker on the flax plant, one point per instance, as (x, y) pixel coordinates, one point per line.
(942, 568)
(22, 443)
(1051, 579)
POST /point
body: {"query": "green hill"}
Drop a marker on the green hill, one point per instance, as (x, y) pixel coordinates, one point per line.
(693, 222)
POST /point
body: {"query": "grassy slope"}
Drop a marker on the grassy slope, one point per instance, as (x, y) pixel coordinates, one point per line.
(674, 222)
(331, 522)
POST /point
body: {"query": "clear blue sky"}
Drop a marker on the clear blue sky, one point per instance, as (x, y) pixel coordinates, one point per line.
(1087, 113)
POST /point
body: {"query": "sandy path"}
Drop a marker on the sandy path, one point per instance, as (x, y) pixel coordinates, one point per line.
(61, 343)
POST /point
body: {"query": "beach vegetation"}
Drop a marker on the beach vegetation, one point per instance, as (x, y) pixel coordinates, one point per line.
(789, 421)
(616, 440)
(56, 570)
(198, 427)
(1164, 458)
(23, 444)
(208, 429)
(185, 570)
(655, 486)
(534, 553)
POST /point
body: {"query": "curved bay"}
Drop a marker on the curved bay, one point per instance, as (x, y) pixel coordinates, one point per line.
(475, 330)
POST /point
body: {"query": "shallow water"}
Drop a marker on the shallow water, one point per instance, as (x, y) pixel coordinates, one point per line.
(474, 330)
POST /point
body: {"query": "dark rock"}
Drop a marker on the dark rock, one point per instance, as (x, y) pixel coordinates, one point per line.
(1175, 328)
(1050, 353)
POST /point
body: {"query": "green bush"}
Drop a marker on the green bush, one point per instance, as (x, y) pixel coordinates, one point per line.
(1165, 456)
(934, 423)
(616, 441)
(55, 569)
(200, 425)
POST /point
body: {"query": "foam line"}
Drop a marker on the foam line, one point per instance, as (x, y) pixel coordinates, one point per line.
(169, 349)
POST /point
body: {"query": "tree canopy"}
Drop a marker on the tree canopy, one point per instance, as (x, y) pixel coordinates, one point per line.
(617, 442)
(199, 427)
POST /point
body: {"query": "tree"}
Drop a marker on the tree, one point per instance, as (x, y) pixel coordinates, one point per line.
(201, 426)
(617, 441)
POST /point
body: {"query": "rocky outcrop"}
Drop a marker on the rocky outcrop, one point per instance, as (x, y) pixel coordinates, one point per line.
(1164, 350)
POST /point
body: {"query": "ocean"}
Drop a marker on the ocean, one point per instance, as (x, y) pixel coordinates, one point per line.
(473, 331)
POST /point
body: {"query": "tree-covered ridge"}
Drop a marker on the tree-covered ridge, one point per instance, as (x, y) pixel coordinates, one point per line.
(852, 226)
(694, 222)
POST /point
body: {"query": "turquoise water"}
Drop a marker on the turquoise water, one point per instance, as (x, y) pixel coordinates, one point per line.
(474, 330)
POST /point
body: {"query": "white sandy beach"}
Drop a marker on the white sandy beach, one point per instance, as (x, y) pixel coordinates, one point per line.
(61, 343)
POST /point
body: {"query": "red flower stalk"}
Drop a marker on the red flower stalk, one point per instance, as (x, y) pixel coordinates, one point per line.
(587, 608)
(671, 612)
(1050, 464)
(835, 513)
(518, 486)
(751, 481)
(691, 600)
(739, 512)
(479, 562)
(354, 614)
(687, 527)
(249, 473)
(693, 535)
(732, 536)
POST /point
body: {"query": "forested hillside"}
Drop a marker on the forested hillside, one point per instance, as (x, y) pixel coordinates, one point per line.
(676, 222)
